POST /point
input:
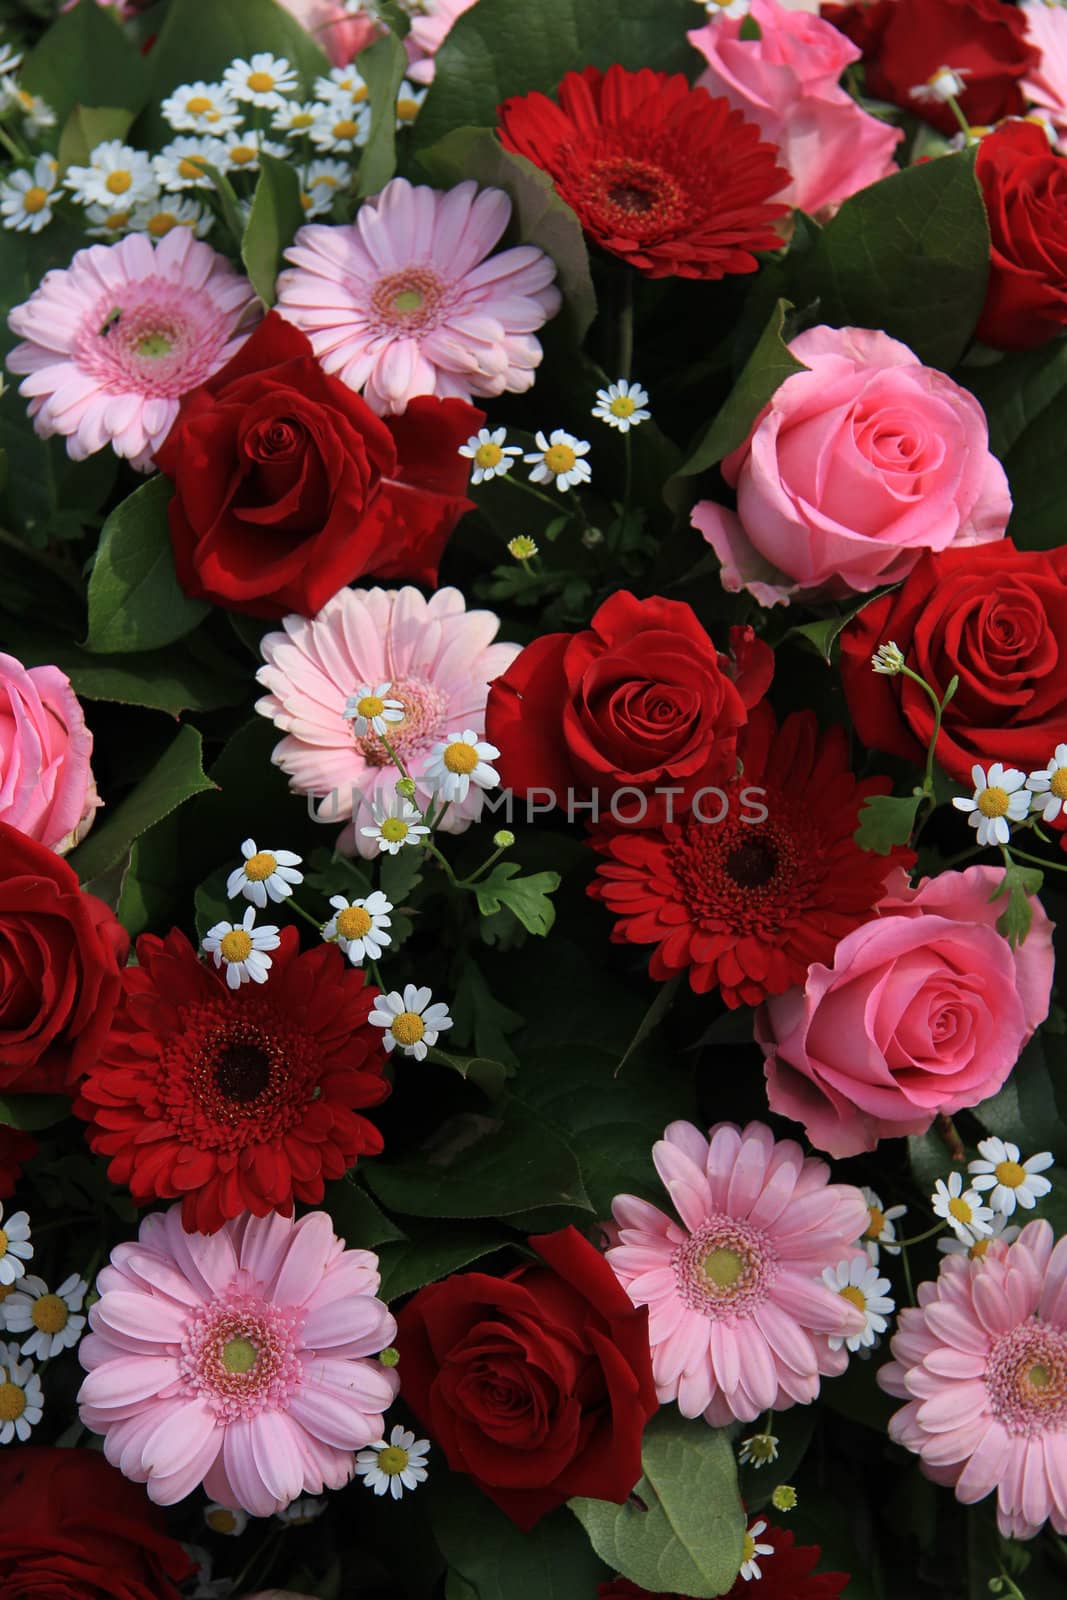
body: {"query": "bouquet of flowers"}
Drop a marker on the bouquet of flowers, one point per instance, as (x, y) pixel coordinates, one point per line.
(533, 799)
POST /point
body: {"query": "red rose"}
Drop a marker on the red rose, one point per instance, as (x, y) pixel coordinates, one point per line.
(75, 1529)
(287, 486)
(539, 1384)
(639, 699)
(60, 955)
(788, 1574)
(1025, 190)
(995, 615)
(904, 42)
(15, 1149)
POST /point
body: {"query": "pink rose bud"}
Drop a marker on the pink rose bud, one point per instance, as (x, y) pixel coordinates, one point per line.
(46, 783)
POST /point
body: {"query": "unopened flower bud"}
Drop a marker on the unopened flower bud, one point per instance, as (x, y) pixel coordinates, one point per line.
(522, 547)
(592, 537)
(784, 1497)
(389, 1357)
(406, 788)
(504, 839)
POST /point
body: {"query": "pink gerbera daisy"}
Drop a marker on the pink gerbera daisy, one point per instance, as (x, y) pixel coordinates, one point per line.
(739, 1317)
(982, 1364)
(113, 341)
(403, 301)
(434, 658)
(242, 1360)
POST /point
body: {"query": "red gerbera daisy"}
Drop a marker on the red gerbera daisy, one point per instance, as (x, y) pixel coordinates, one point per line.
(748, 905)
(241, 1100)
(788, 1574)
(666, 176)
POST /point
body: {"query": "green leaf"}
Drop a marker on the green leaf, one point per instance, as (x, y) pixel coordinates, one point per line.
(31, 1112)
(909, 255)
(497, 1560)
(527, 897)
(769, 365)
(488, 1075)
(170, 680)
(86, 59)
(652, 1018)
(539, 217)
(401, 874)
(820, 637)
(88, 126)
(356, 1218)
(175, 778)
(480, 1019)
(750, 29)
(1017, 389)
(1019, 884)
(1028, 1110)
(689, 1540)
(457, 1588)
(275, 216)
(135, 601)
(433, 1253)
(793, 1429)
(498, 49)
(382, 67)
(212, 904)
(886, 820)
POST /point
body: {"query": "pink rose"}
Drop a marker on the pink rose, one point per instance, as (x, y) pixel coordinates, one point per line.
(428, 33)
(46, 782)
(925, 1009)
(1046, 88)
(340, 34)
(855, 468)
(786, 82)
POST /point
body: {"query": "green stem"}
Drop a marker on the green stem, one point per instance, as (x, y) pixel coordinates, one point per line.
(292, 905)
(1038, 861)
(907, 1276)
(939, 711)
(468, 883)
(538, 494)
(626, 324)
(431, 849)
(375, 976)
(394, 758)
(628, 483)
(921, 1238)
(954, 106)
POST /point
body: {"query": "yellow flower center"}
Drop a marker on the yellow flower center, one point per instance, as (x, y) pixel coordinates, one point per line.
(354, 922)
(408, 1028)
(162, 223)
(978, 1249)
(722, 1267)
(460, 757)
(5, 1290)
(235, 945)
(197, 104)
(12, 1402)
(622, 406)
(750, 1549)
(392, 1460)
(560, 458)
(958, 1208)
(50, 1314)
(408, 300)
(1058, 781)
(360, 94)
(854, 1296)
(239, 1356)
(117, 221)
(1039, 1377)
(370, 706)
(1010, 1174)
(192, 166)
(407, 110)
(488, 455)
(394, 830)
(260, 866)
(220, 1520)
(875, 1224)
(3, 1242)
(301, 119)
(260, 82)
(994, 802)
(36, 199)
(345, 129)
(117, 182)
(242, 154)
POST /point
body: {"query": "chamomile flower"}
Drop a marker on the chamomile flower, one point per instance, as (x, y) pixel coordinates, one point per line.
(37, 114)
(760, 1450)
(856, 1281)
(15, 1246)
(962, 1209)
(180, 164)
(301, 1512)
(26, 197)
(750, 1567)
(265, 80)
(340, 130)
(457, 762)
(410, 1021)
(106, 222)
(264, 875)
(158, 217)
(244, 149)
(1048, 788)
(242, 948)
(999, 799)
(941, 86)
(396, 824)
(201, 108)
(558, 460)
(391, 1468)
(10, 60)
(21, 1399)
(343, 84)
(359, 926)
(1003, 1231)
(223, 1519)
(622, 405)
(880, 1232)
(320, 183)
(522, 547)
(371, 710)
(295, 117)
(116, 174)
(409, 102)
(888, 660)
(52, 1320)
(491, 456)
(1010, 1182)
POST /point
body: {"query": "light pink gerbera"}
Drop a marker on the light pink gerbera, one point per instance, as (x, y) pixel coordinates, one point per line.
(113, 341)
(428, 33)
(242, 1360)
(403, 301)
(982, 1364)
(433, 656)
(739, 1317)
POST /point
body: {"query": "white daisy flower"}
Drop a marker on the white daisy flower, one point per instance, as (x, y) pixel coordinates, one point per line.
(105, 223)
(622, 405)
(180, 164)
(491, 456)
(371, 710)
(201, 108)
(1048, 788)
(223, 1519)
(244, 149)
(962, 1209)
(396, 823)
(750, 1567)
(10, 60)
(1012, 1182)
(396, 1466)
(51, 1320)
(941, 86)
(409, 102)
(761, 1450)
(410, 1021)
(880, 1233)
(1003, 1231)
(888, 659)
(26, 197)
(159, 217)
(300, 1512)
(15, 1246)
(359, 926)
(457, 762)
(116, 174)
(726, 8)
(21, 1399)
(998, 800)
(264, 875)
(343, 84)
(295, 117)
(243, 948)
(37, 114)
(320, 183)
(856, 1281)
(265, 80)
(558, 460)
(341, 129)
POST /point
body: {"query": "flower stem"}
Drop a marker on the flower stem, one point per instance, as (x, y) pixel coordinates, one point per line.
(1038, 861)
(293, 906)
(948, 1134)
(921, 1238)
(431, 849)
(626, 323)
(468, 883)
(538, 494)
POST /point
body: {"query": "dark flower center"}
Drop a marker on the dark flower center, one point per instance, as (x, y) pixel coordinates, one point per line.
(752, 863)
(242, 1071)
